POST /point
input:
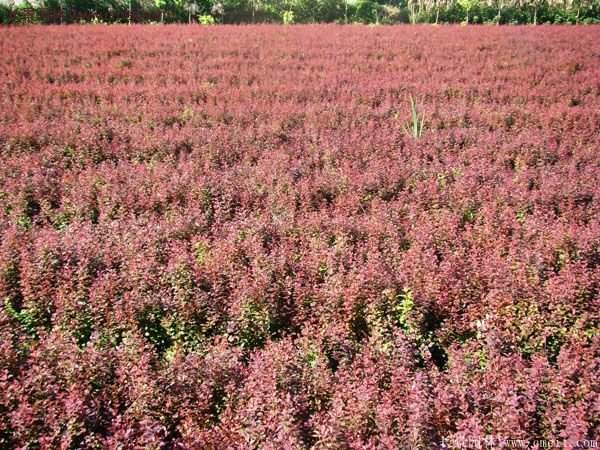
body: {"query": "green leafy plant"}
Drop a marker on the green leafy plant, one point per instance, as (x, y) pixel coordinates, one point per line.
(468, 6)
(200, 251)
(254, 323)
(206, 19)
(469, 215)
(288, 17)
(404, 308)
(416, 125)
(150, 325)
(26, 318)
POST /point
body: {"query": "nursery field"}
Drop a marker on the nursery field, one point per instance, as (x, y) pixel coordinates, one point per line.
(329, 237)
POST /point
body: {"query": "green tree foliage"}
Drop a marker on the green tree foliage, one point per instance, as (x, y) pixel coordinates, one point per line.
(305, 11)
(468, 6)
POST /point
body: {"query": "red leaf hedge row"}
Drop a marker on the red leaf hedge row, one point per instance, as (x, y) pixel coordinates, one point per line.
(224, 237)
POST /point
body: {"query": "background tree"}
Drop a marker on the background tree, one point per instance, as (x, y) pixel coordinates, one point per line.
(468, 6)
(162, 6)
(305, 11)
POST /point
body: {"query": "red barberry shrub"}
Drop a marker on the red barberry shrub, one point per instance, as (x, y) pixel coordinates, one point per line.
(229, 237)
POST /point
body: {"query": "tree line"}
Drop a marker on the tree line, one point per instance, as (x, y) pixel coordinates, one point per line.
(301, 11)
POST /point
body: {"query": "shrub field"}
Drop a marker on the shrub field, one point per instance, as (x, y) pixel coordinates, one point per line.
(329, 237)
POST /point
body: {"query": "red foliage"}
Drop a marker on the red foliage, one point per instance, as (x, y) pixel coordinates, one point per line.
(224, 238)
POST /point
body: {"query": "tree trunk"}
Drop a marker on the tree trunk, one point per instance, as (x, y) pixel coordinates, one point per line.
(437, 13)
(346, 12)
(162, 17)
(535, 14)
